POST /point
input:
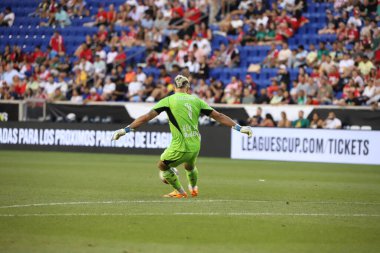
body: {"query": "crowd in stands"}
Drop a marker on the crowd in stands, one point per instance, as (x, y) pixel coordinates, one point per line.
(177, 38)
(259, 120)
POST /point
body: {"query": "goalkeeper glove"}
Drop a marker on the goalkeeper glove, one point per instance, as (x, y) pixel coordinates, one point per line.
(121, 132)
(243, 129)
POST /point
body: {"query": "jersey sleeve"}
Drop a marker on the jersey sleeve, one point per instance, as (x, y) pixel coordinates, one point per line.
(205, 108)
(162, 105)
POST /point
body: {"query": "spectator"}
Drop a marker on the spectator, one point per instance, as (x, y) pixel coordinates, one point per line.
(100, 68)
(7, 18)
(56, 43)
(325, 92)
(300, 58)
(248, 97)
(9, 73)
(50, 86)
(62, 18)
(284, 54)
(278, 97)
(271, 59)
(316, 121)
(268, 121)
(231, 56)
(365, 65)
(284, 122)
(76, 97)
(301, 122)
(332, 122)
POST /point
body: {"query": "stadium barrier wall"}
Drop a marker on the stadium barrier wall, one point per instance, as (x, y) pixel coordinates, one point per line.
(150, 139)
(308, 145)
(117, 112)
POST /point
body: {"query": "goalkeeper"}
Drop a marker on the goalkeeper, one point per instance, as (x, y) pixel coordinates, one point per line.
(183, 111)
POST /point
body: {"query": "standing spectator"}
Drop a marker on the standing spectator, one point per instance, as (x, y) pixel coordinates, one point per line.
(301, 122)
(7, 18)
(56, 43)
(332, 122)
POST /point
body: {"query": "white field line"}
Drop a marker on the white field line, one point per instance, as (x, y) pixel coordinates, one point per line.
(112, 202)
(190, 214)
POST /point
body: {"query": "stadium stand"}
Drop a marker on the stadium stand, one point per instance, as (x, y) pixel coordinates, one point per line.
(275, 52)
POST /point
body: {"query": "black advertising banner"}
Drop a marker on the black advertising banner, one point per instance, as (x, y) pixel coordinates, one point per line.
(150, 139)
(9, 112)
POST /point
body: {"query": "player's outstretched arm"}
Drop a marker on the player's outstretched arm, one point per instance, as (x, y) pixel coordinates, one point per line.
(227, 121)
(135, 124)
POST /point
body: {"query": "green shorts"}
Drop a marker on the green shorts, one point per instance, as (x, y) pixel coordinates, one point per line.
(174, 158)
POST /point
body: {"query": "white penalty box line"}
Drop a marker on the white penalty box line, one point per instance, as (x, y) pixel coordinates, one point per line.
(190, 214)
(112, 202)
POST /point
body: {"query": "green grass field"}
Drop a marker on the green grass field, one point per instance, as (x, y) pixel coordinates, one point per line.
(80, 202)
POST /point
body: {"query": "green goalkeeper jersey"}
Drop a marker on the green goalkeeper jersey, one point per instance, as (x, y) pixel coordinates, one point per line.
(183, 111)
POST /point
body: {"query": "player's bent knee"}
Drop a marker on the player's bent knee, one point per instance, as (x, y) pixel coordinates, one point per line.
(189, 167)
(162, 166)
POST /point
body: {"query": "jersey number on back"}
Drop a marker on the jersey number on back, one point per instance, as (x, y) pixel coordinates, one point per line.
(189, 110)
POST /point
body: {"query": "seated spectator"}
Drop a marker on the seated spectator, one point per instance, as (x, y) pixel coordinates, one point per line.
(352, 34)
(301, 122)
(61, 17)
(248, 97)
(231, 56)
(268, 121)
(316, 121)
(256, 119)
(325, 92)
(277, 97)
(300, 57)
(332, 122)
(312, 56)
(346, 65)
(351, 99)
(365, 65)
(7, 18)
(284, 54)
(76, 97)
(369, 91)
(270, 60)
(284, 122)
(330, 28)
(263, 98)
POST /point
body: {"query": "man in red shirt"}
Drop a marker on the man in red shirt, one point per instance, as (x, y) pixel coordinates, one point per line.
(56, 43)
(101, 16)
(121, 57)
(176, 7)
(193, 13)
(86, 53)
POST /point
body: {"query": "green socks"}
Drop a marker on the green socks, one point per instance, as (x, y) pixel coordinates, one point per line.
(172, 179)
(192, 176)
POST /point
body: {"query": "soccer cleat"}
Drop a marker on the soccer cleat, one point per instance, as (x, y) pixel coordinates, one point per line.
(193, 190)
(175, 194)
